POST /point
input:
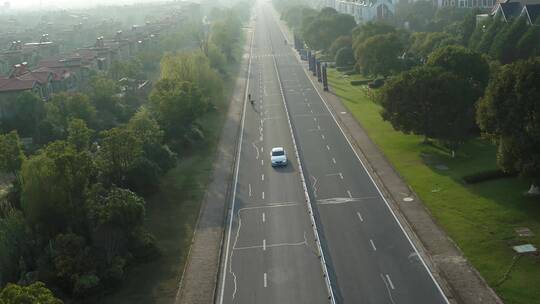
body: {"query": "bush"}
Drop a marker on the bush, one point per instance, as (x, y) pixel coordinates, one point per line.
(360, 82)
(484, 176)
(345, 68)
(377, 83)
(345, 57)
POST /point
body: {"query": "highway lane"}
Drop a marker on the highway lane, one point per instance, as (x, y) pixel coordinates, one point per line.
(371, 258)
(270, 252)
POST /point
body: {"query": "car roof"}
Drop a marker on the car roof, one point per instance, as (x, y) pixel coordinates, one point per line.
(276, 149)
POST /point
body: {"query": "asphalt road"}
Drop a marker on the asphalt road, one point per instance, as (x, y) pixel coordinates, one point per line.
(271, 255)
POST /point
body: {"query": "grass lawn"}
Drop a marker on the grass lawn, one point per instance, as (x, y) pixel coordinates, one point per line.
(171, 213)
(480, 218)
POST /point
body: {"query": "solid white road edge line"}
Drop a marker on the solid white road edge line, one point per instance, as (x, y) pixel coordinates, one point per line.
(231, 213)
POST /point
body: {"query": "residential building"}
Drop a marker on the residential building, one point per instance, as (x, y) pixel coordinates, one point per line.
(510, 9)
(364, 10)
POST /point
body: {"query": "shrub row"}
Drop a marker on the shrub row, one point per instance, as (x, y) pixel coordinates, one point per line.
(488, 175)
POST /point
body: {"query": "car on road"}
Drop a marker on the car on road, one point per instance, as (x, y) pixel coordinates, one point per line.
(278, 157)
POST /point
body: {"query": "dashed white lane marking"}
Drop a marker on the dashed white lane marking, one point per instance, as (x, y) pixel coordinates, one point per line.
(311, 111)
(265, 281)
(360, 216)
(264, 245)
(340, 175)
(262, 176)
(260, 138)
(318, 127)
(328, 147)
(373, 245)
(262, 162)
(349, 193)
(309, 105)
(249, 185)
(314, 118)
(263, 217)
(256, 150)
(322, 135)
(333, 160)
(262, 149)
(390, 282)
(263, 195)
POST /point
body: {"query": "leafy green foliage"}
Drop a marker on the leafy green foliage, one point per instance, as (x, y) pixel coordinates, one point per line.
(339, 43)
(64, 107)
(431, 102)
(54, 182)
(79, 134)
(11, 153)
(35, 293)
(509, 114)
(345, 57)
(423, 43)
(378, 55)
(26, 111)
(13, 242)
(504, 44)
(369, 29)
(322, 29)
(119, 151)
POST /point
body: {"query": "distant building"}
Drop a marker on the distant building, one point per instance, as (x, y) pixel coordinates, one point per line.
(364, 11)
(508, 10)
(483, 4)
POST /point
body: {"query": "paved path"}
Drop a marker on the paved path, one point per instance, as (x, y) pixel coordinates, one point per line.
(198, 281)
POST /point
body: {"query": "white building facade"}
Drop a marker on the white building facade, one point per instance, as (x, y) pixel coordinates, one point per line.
(363, 10)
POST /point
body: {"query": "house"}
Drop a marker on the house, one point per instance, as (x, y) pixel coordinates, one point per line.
(482, 4)
(510, 9)
(11, 87)
(364, 10)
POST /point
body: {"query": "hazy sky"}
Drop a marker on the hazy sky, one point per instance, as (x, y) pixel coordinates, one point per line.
(26, 4)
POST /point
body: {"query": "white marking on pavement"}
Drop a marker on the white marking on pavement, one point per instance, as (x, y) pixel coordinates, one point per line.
(262, 176)
(387, 289)
(390, 282)
(373, 245)
(322, 135)
(319, 127)
(249, 185)
(360, 216)
(328, 147)
(265, 282)
(263, 217)
(333, 160)
(349, 193)
(264, 245)
(340, 175)
(263, 195)
(256, 150)
(262, 162)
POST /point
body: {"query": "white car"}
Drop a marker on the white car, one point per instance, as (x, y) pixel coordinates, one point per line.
(278, 157)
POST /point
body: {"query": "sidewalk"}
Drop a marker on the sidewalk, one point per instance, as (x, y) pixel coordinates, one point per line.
(199, 280)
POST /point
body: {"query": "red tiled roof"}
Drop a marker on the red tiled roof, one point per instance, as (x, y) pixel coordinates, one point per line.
(41, 77)
(58, 73)
(14, 84)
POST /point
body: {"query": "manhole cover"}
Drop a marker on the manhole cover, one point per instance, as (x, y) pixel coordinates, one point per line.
(408, 199)
(441, 167)
(524, 231)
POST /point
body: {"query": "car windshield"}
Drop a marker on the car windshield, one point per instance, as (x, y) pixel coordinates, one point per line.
(278, 153)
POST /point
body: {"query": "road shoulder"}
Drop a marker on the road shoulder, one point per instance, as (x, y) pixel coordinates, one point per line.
(199, 279)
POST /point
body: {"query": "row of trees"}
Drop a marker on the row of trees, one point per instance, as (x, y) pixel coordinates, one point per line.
(446, 80)
(74, 217)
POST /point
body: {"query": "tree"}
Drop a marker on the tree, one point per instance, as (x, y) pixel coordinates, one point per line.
(116, 215)
(73, 264)
(365, 31)
(11, 153)
(194, 68)
(177, 106)
(504, 44)
(423, 44)
(322, 30)
(119, 151)
(489, 32)
(79, 134)
(529, 44)
(345, 57)
(339, 43)
(64, 107)
(35, 293)
(23, 113)
(13, 242)
(53, 186)
(431, 102)
(379, 55)
(465, 63)
(509, 113)
(225, 34)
